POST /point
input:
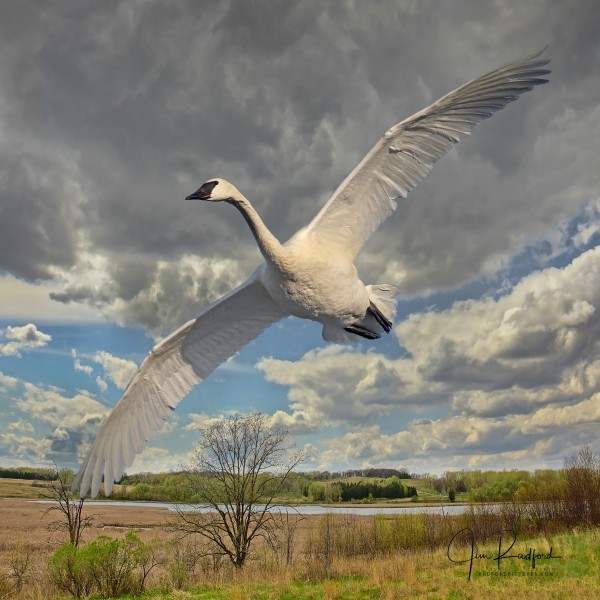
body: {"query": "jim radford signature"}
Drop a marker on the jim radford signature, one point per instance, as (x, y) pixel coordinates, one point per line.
(506, 541)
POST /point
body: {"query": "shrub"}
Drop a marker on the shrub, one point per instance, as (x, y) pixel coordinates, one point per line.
(178, 575)
(107, 566)
(184, 554)
(113, 563)
(69, 569)
(142, 491)
(350, 536)
(19, 563)
(6, 589)
(582, 493)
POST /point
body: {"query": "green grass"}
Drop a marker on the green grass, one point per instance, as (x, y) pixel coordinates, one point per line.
(339, 588)
(431, 576)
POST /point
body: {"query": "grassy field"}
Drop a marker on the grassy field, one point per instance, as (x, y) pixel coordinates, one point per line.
(21, 488)
(419, 575)
(423, 575)
(572, 573)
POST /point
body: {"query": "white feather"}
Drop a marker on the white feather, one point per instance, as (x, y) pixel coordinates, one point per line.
(407, 152)
(168, 373)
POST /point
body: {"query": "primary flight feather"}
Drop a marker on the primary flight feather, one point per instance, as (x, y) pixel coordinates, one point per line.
(311, 276)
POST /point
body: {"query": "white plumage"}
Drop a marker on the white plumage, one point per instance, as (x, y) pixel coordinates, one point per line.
(311, 276)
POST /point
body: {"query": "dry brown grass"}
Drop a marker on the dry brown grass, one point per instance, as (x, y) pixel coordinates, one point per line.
(21, 488)
(23, 527)
(415, 573)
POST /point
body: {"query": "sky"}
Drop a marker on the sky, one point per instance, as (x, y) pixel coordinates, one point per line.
(112, 112)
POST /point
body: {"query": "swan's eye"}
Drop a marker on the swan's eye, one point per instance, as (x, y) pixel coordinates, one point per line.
(206, 190)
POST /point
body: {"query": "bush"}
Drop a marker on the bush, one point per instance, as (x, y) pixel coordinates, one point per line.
(582, 490)
(112, 563)
(69, 569)
(6, 589)
(350, 536)
(142, 491)
(181, 566)
(178, 575)
(19, 563)
(107, 566)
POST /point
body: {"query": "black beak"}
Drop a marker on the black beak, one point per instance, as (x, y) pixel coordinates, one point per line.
(204, 192)
(197, 196)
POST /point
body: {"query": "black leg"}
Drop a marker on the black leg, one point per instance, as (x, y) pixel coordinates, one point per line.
(363, 332)
(385, 323)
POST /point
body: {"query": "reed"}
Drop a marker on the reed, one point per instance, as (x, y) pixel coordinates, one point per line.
(337, 556)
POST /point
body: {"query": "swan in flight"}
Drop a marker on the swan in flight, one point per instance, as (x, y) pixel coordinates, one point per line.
(311, 276)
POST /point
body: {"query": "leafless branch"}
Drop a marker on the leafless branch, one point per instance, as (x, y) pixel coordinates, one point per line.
(71, 519)
(238, 473)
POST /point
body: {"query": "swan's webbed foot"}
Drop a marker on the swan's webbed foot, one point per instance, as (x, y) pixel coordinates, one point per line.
(362, 331)
(385, 323)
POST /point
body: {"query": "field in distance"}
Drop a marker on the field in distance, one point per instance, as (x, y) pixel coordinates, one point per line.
(22, 488)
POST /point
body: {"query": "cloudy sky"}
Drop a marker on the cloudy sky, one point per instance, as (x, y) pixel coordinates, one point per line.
(112, 112)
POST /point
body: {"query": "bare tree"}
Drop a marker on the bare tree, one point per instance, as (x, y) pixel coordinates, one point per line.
(240, 471)
(582, 478)
(71, 519)
(281, 535)
(19, 563)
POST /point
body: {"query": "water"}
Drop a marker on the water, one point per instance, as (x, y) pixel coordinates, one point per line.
(302, 509)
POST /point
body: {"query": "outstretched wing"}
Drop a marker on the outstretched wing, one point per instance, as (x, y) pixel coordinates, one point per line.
(406, 153)
(168, 373)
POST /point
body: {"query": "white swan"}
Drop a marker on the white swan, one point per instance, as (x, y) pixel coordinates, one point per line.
(311, 276)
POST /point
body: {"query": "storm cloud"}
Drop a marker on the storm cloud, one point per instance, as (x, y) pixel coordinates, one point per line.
(111, 113)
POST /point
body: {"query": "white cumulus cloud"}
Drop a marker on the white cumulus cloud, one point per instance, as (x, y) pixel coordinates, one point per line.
(101, 383)
(79, 366)
(22, 339)
(21, 426)
(507, 370)
(119, 370)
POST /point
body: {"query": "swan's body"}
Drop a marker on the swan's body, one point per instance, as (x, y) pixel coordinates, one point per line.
(311, 276)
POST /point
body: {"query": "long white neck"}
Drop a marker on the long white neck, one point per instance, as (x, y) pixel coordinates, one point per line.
(267, 243)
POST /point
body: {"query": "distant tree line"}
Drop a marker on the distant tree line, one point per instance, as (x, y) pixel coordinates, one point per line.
(492, 486)
(378, 472)
(359, 490)
(31, 473)
(169, 479)
(316, 486)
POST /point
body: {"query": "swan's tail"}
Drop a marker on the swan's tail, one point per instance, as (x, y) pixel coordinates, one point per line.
(378, 318)
(383, 296)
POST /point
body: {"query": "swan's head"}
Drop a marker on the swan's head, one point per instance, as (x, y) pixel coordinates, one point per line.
(215, 190)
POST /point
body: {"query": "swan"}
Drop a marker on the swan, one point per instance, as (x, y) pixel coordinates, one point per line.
(311, 276)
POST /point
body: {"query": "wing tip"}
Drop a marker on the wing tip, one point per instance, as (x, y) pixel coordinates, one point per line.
(531, 56)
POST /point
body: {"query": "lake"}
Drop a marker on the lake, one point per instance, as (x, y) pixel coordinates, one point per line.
(304, 509)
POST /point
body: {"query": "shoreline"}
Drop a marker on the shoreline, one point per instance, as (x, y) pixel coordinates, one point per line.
(334, 505)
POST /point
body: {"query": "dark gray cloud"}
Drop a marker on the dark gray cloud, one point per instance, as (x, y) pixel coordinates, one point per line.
(38, 214)
(112, 112)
